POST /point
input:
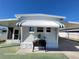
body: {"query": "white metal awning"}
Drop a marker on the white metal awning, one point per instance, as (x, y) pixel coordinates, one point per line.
(40, 23)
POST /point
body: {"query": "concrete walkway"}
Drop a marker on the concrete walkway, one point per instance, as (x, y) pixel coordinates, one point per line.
(72, 55)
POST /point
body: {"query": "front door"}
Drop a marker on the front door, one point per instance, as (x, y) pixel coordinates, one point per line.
(48, 35)
(51, 37)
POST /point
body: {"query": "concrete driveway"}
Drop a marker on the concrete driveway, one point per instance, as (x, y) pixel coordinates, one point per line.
(68, 45)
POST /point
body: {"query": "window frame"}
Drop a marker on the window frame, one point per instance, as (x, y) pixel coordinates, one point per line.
(16, 34)
(40, 29)
(48, 29)
(31, 29)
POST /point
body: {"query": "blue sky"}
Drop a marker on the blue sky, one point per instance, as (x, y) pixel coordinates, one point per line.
(67, 8)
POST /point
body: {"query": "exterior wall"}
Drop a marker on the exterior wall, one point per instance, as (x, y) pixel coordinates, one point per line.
(52, 40)
(28, 37)
(63, 34)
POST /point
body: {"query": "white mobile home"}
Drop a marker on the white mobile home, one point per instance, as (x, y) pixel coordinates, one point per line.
(27, 27)
(3, 33)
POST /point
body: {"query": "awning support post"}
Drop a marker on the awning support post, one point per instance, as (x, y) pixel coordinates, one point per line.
(21, 34)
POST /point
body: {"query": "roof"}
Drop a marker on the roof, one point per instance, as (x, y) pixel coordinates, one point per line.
(18, 15)
(3, 28)
(8, 22)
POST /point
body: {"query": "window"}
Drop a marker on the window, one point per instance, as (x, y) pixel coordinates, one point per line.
(16, 34)
(48, 29)
(61, 19)
(4, 31)
(39, 29)
(31, 29)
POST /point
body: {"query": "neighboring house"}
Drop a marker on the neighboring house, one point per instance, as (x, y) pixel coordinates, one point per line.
(26, 28)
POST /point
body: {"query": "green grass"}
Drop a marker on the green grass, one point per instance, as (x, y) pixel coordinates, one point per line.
(8, 48)
(3, 45)
(35, 56)
(9, 52)
(13, 49)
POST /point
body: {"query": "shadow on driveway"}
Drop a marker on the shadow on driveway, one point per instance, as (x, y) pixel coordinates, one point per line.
(68, 44)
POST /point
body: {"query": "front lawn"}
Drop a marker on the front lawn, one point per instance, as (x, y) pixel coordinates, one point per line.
(35, 56)
(8, 48)
(5, 50)
(9, 52)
